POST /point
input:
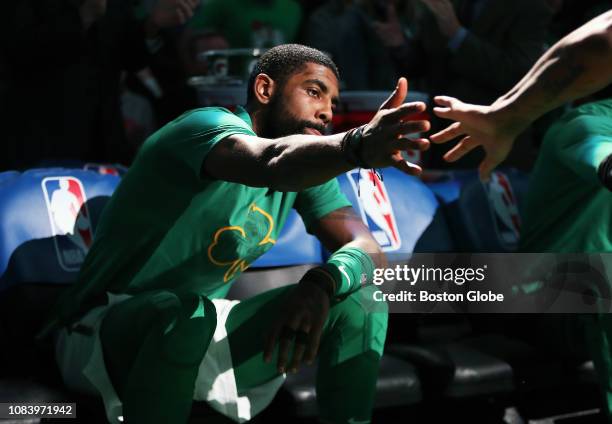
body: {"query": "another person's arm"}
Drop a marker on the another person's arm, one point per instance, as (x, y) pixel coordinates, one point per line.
(579, 64)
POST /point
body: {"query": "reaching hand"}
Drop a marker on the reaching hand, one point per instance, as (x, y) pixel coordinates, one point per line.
(445, 16)
(171, 13)
(384, 137)
(480, 126)
(300, 325)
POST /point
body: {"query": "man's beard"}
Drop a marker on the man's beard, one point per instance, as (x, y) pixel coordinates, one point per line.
(280, 122)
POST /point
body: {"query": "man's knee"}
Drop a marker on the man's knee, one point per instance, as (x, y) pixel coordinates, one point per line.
(182, 324)
(361, 321)
(189, 324)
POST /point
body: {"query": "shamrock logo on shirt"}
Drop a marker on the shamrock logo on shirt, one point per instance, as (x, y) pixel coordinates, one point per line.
(237, 246)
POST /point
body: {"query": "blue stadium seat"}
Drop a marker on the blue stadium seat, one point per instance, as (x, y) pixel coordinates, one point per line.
(47, 222)
(401, 211)
(7, 176)
(294, 246)
(483, 217)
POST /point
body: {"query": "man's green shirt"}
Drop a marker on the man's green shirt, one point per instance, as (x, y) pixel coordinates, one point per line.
(568, 208)
(168, 226)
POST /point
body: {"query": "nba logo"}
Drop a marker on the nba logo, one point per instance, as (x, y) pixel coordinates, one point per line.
(505, 209)
(376, 210)
(69, 219)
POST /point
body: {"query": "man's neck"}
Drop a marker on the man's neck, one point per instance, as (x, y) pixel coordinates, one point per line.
(256, 118)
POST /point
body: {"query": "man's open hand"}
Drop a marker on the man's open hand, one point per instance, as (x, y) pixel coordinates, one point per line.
(299, 326)
(478, 126)
(384, 137)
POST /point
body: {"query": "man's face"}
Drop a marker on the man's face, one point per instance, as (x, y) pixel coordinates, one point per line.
(304, 104)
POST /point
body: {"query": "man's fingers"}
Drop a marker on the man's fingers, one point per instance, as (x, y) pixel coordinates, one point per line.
(452, 131)
(407, 127)
(466, 145)
(405, 143)
(284, 346)
(315, 339)
(445, 106)
(301, 341)
(449, 108)
(397, 96)
(403, 111)
(405, 166)
(446, 101)
(286, 338)
(281, 332)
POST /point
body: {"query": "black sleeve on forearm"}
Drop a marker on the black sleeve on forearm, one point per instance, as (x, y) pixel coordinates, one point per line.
(604, 172)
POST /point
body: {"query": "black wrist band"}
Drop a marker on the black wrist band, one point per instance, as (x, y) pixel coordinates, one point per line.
(322, 279)
(359, 148)
(351, 147)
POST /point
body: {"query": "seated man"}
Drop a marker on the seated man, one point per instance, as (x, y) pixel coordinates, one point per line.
(146, 325)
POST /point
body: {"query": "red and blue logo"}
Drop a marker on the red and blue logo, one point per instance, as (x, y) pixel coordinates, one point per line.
(505, 208)
(69, 219)
(103, 169)
(375, 207)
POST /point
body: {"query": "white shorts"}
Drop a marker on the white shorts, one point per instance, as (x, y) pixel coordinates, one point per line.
(81, 363)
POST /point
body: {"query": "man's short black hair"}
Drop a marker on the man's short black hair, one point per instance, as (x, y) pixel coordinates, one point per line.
(280, 62)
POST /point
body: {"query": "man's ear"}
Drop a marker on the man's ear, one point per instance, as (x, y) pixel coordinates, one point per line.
(264, 88)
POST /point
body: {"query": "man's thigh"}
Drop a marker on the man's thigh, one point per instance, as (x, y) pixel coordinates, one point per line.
(130, 324)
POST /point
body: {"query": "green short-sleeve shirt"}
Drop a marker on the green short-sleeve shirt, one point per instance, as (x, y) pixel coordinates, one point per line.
(166, 226)
(567, 208)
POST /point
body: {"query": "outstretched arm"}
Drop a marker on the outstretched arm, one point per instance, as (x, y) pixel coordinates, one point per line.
(297, 162)
(579, 64)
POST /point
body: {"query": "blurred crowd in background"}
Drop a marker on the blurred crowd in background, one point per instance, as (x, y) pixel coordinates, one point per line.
(89, 80)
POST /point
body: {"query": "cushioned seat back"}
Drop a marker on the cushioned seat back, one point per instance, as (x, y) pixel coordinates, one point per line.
(484, 217)
(7, 176)
(294, 246)
(47, 223)
(399, 210)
